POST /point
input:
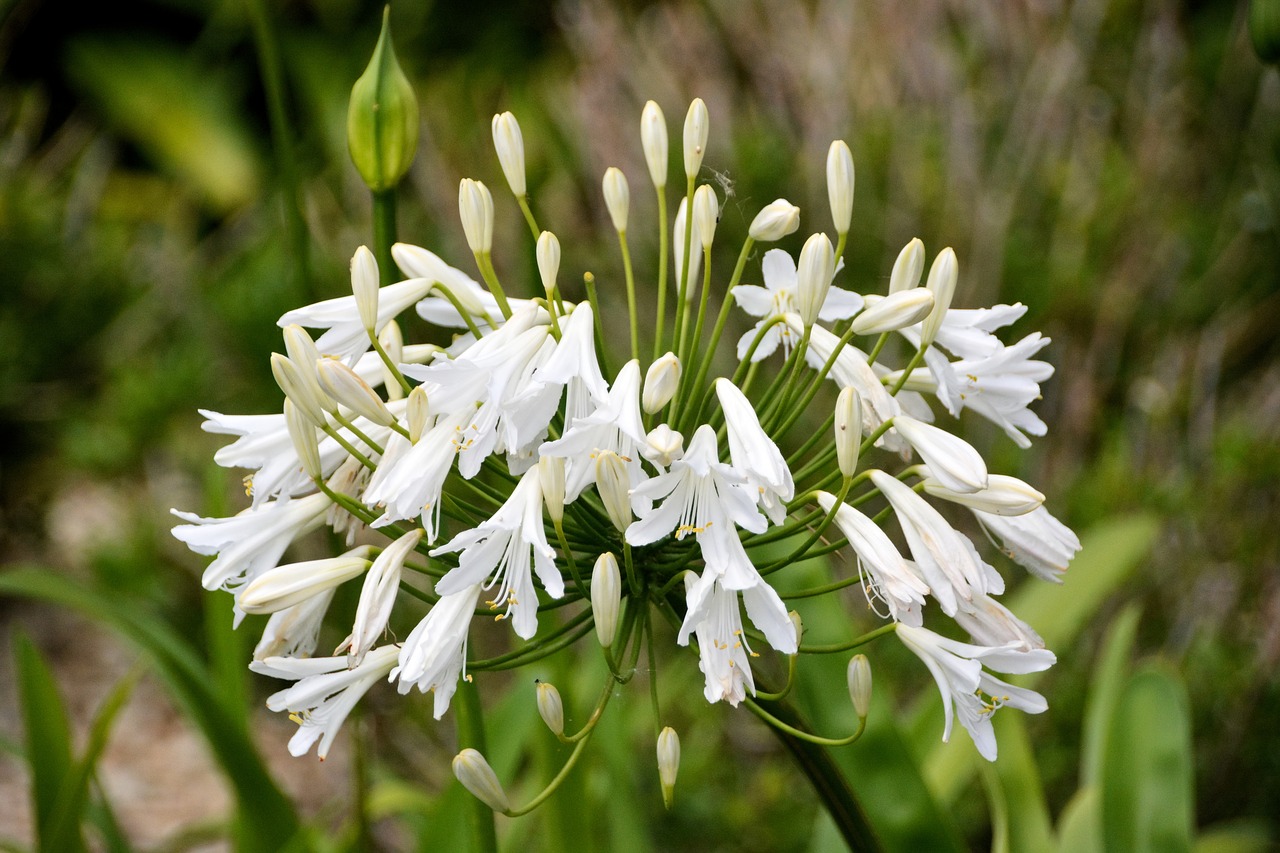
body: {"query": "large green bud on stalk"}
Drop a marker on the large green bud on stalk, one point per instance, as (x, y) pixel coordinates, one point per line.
(1264, 29)
(382, 119)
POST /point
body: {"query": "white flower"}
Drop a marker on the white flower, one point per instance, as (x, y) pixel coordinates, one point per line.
(1036, 541)
(990, 623)
(663, 445)
(410, 477)
(501, 547)
(778, 298)
(294, 631)
(851, 370)
(950, 458)
(677, 242)
(754, 453)
(775, 220)
(345, 336)
(1002, 496)
(957, 668)
(325, 693)
(419, 263)
(285, 586)
(436, 650)
(885, 573)
(574, 366)
(378, 595)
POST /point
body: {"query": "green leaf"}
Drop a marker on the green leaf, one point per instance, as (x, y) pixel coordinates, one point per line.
(1247, 835)
(1017, 780)
(1109, 675)
(1080, 825)
(1147, 777)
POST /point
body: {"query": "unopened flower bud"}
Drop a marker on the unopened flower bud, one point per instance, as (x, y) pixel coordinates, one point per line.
(908, 267)
(303, 433)
(478, 777)
(653, 138)
(1003, 495)
(798, 624)
(942, 281)
(663, 445)
(614, 485)
(606, 597)
(696, 125)
(378, 595)
(391, 339)
(840, 185)
(364, 284)
(548, 253)
(848, 430)
(285, 586)
(668, 764)
(860, 685)
(345, 385)
(677, 257)
(893, 312)
(475, 205)
(510, 146)
(813, 277)
(551, 707)
(551, 476)
(417, 411)
(303, 353)
(382, 117)
(660, 383)
(617, 197)
(289, 378)
(706, 213)
(951, 460)
(775, 221)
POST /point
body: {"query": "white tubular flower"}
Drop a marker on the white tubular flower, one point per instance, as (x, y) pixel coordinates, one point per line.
(345, 336)
(990, 623)
(249, 543)
(696, 125)
(778, 299)
(957, 668)
(475, 206)
(775, 220)
(942, 282)
(885, 574)
(550, 707)
(509, 144)
(840, 179)
(324, 695)
(947, 560)
(617, 197)
(706, 213)
(348, 389)
(614, 488)
(285, 586)
(378, 595)
(753, 453)
(548, 254)
(848, 430)
(653, 139)
(893, 312)
(660, 383)
(851, 370)
(499, 551)
(425, 266)
(908, 268)
(663, 445)
(475, 774)
(951, 459)
(364, 286)
(294, 631)
(677, 241)
(814, 271)
(606, 597)
(264, 444)
(1003, 495)
(574, 365)
(410, 477)
(435, 652)
(1036, 541)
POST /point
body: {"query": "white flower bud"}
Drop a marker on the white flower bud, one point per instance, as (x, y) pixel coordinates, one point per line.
(696, 125)
(550, 707)
(478, 777)
(1002, 496)
(848, 430)
(417, 411)
(860, 685)
(893, 312)
(303, 433)
(510, 146)
(285, 586)
(706, 213)
(475, 205)
(942, 281)
(950, 458)
(364, 284)
(303, 353)
(653, 138)
(798, 624)
(908, 267)
(289, 378)
(617, 197)
(663, 445)
(345, 385)
(813, 277)
(548, 253)
(775, 220)
(391, 339)
(668, 764)
(840, 185)
(677, 256)
(660, 383)
(606, 597)
(551, 477)
(614, 485)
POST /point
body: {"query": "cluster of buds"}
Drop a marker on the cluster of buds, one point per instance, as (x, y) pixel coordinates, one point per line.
(513, 475)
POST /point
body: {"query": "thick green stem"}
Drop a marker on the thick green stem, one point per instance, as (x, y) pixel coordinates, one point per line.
(384, 234)
(471, 734)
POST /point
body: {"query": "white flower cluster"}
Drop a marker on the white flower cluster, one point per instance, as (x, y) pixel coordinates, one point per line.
(489, 471)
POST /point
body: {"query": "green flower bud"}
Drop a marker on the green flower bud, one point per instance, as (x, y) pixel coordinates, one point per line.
(382, 118)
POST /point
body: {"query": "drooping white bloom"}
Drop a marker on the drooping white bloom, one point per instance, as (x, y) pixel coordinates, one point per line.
(410, 477)
(1003, 495)
(574, 366)
(957, 668)
(251, 542)
(294, 631)
(778, 298)
(325, 693)
(990, 623)
(435, 651)
(285, 586)
(345, 336)
(419, 263)
(885, 573)
(950, 458)
(378, 595)
(1036, 541)
(497, 553)
(754, 453)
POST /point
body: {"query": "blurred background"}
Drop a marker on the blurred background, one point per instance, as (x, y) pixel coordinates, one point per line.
(174, 176)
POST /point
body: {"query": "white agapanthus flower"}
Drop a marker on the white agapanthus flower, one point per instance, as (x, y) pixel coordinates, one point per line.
(777, 299)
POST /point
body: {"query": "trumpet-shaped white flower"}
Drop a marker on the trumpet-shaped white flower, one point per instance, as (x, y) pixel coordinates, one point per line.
(778, 298)
(294, 631)
(990, 623)
(1036, 541)
(345, 336)
(885, 573)
(435, 652)
(1002, 496)
(950, 458)
(754, 453)
(436, 308)
(410, 477)
(285, 586)
(499, 551)
(957, 668)
(575, 367)
(378, 595)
